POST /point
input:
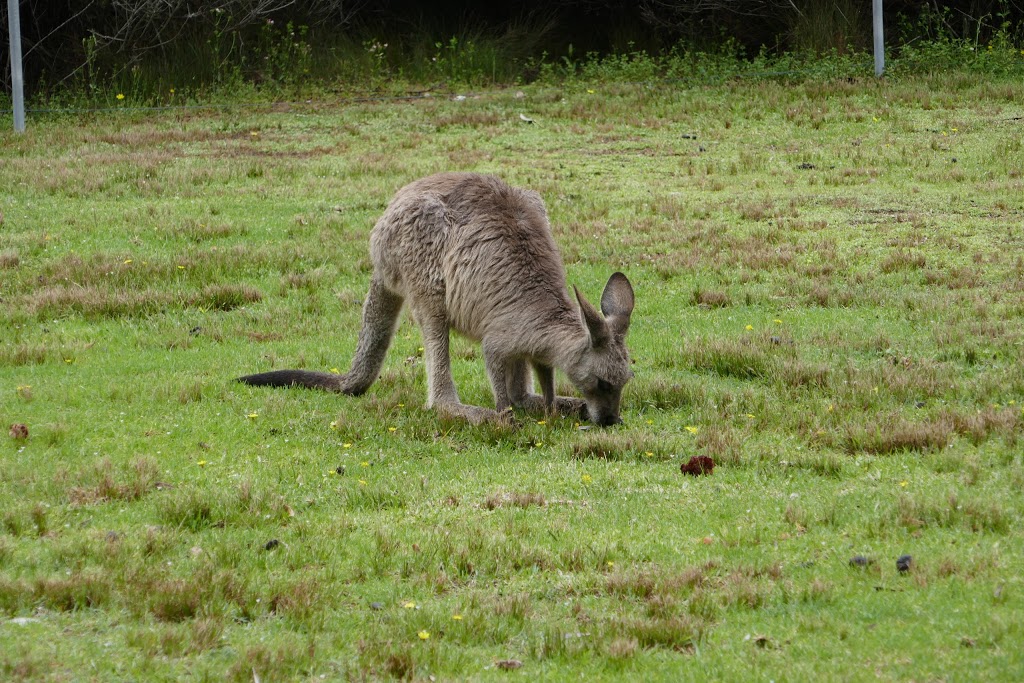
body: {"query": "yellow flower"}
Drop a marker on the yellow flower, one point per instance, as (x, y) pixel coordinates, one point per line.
(120, 96)
(201, 463)
(401, 405)
(750, 327)
(334, 424)
(542, 422)
(587, 478)
(362, 482)
(409, 605)
(127, 261)
(365, 463)
(391, 429)
(253, 416)
(610, 564)
(346, 445)
(904, 483)
(649, 454)
(424, 635)
(335, 371)
(456, 617)
(650, 422)
(778, 321)
(692, 430)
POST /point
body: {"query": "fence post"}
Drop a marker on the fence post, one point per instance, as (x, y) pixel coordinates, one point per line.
(876, 10)
(17, 78)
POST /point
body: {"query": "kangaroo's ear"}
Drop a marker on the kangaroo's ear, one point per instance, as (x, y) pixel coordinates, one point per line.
(617, 303)
(599, 332)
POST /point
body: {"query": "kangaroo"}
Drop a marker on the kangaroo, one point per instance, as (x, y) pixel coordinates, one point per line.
(469, 253)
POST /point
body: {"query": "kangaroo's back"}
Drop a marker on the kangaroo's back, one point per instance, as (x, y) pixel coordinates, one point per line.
(482, 247)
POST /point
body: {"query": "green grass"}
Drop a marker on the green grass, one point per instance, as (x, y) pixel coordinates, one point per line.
(830, 304)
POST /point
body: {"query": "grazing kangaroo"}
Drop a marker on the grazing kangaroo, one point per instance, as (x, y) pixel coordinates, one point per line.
(469, 253)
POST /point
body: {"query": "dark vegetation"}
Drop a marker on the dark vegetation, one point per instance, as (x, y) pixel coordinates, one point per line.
(175, 52)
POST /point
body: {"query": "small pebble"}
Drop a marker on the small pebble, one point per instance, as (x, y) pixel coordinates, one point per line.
(376, 605)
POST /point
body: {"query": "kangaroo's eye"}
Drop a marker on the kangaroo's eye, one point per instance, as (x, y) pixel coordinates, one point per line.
(604, 387)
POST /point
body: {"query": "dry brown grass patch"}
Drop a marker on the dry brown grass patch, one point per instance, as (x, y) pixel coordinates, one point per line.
(895, 434)
(26, 354)
(108, 484)
(606, 446)
(720, 443)
(514, 499)
(469, 119)
(680, 632)
(903, 260)
(726, 357)
(979, 425)
(710, 299)
(77, 591)
(226, 297)
(201, 231)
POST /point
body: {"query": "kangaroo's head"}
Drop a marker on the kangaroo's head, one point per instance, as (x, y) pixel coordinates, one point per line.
(602, 368)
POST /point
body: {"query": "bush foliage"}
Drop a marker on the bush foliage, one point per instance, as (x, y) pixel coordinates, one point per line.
(169, 52)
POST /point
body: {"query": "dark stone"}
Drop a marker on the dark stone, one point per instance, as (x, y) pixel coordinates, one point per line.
(859, 561)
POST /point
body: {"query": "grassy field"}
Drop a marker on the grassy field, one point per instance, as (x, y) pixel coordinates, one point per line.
(830, 287)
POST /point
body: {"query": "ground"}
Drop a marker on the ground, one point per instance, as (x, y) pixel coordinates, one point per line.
(830, 292)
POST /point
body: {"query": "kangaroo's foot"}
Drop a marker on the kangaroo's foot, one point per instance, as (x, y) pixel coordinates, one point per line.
(475, 414)
(567, 406)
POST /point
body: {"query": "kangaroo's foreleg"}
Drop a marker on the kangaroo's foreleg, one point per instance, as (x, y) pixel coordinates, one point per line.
(518, 382)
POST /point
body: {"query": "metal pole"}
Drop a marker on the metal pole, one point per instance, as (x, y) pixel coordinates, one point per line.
(876, 8)
(17, 79)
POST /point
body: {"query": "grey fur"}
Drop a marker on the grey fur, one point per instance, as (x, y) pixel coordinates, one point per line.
(469, 253)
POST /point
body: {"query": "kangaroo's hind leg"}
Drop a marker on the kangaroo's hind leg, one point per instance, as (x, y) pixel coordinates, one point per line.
(441, 392)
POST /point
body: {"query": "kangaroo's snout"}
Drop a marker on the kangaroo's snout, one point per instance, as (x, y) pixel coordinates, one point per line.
(603, 418)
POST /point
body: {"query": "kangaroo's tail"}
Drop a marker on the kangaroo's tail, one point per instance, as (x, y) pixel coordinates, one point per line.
(380, 317)
(295, 378)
